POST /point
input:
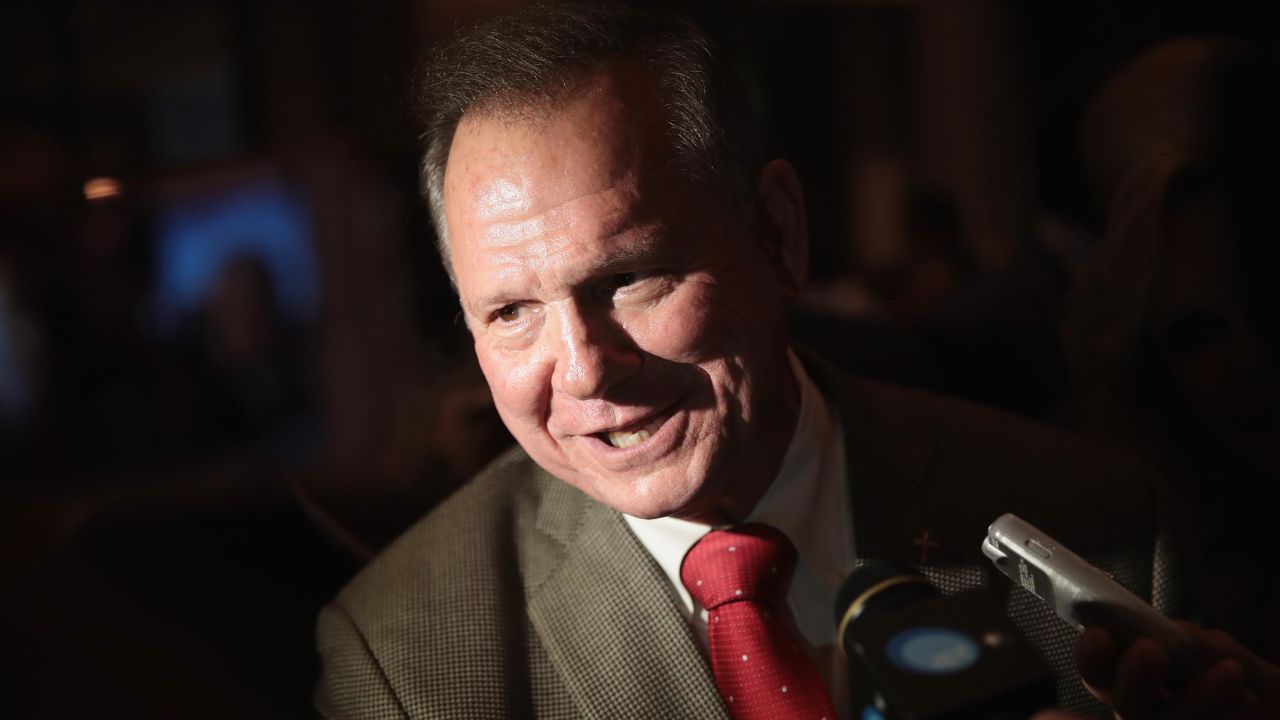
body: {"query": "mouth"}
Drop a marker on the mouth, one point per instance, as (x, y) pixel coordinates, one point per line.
(639, 432)
(638, 444)
(635, 434)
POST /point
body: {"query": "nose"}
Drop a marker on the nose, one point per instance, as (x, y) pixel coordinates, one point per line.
(593, 352)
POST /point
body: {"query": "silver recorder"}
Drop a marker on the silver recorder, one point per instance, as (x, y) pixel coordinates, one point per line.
(1080, 593)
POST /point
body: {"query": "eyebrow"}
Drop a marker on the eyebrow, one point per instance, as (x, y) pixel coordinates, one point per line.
(641, 242)
(500, 297)
(634, 244)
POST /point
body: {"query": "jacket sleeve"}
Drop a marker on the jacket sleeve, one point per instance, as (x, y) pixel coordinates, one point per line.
(352, 684)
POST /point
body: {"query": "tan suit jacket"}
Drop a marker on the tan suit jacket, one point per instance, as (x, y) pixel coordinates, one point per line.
(522, 597)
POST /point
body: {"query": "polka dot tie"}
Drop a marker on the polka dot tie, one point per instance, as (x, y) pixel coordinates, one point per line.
(741, 576)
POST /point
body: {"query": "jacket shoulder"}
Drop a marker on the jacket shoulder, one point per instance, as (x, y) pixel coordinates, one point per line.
(439, 616)
(981, 462)
(999, 442)
(460, 532)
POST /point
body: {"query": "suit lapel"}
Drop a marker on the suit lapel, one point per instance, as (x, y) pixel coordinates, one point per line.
(888, 467)
(896, 483)
(610, 625)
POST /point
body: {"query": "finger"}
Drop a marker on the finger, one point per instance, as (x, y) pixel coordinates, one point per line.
(1096, 657)
(1216, 645)
(1212, 692)
(1257, 671)
(1139, 679)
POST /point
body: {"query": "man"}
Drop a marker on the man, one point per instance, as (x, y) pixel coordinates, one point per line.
(624, 260)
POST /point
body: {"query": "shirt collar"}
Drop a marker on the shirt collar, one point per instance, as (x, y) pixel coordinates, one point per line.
(807, 500)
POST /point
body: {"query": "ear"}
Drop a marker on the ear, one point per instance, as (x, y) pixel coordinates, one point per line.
(784, 225)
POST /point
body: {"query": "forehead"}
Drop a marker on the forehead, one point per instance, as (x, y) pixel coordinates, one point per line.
(581, 170)
(603, 130)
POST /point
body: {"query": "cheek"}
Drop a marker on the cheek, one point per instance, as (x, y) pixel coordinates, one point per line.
(678, 335)
(519, 387)
(706, 320)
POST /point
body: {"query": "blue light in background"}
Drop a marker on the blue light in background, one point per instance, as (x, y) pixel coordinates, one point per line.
(264, 219)
(15, 395)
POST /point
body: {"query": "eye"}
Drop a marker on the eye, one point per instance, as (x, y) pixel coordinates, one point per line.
(616, 282)
(513, 321)
(509, 313)
(634, 287)
(620, 280)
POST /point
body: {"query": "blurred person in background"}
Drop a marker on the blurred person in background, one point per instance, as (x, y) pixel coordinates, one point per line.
(935, 319)
(1172, 329)
(105, 399)
(37, 211)
(936, 261)
(252, 383)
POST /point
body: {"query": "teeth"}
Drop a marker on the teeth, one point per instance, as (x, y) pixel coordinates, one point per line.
(627, 439)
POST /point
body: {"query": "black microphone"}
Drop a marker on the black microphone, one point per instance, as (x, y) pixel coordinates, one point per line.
(916, 654)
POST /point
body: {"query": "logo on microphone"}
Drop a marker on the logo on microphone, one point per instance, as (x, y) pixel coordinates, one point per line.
(1025, 578)
(932, 650)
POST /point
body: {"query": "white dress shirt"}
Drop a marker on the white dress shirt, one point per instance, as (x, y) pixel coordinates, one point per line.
(809, 502)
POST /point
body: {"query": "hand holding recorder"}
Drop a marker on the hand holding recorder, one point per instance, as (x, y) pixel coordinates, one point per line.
(1134, 680)
(1131, 657)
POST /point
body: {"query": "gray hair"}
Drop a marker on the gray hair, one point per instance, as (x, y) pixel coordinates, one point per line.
(533, 57)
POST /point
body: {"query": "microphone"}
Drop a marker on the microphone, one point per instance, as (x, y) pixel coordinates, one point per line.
(916, 654)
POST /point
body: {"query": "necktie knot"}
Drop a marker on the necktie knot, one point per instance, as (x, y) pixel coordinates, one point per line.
(747, 562)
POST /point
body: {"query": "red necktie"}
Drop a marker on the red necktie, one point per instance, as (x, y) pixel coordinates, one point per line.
(741, 576)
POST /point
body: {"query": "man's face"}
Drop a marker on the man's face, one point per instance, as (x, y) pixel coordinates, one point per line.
(631, 331)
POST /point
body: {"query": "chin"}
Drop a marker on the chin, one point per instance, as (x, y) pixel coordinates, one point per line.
(645, 508)
(642, 503)
(645, 513)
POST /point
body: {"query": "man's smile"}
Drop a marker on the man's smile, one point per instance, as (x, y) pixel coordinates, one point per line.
(633, 445)
(634, 432)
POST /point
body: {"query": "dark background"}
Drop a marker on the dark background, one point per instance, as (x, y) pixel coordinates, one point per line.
(230, 366)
